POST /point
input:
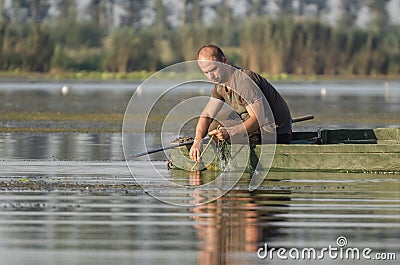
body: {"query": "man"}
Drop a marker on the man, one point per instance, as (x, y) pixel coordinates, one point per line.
(250, 114)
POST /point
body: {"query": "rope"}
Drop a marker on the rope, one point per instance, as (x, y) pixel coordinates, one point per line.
(202, 153)
(204, 150)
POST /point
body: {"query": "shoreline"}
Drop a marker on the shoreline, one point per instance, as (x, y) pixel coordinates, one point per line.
(143, 75)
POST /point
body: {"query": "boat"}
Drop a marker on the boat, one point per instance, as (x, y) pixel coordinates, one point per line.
(333, 150)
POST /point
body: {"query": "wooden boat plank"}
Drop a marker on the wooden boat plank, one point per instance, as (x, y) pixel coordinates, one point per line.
(338, 162)
(391, 134)
(336, 148)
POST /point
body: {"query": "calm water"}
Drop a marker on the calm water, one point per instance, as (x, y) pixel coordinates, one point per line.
(350, 104)
(70, 199)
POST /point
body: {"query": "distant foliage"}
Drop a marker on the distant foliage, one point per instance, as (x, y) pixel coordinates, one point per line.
(72, 40)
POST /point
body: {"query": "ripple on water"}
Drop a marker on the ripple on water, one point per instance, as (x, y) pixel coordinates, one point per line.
(73, 210)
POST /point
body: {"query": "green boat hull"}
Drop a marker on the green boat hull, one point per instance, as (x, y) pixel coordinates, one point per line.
(345, 150)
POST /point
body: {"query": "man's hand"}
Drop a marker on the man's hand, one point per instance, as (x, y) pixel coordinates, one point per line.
(221, 133)
(195, 150)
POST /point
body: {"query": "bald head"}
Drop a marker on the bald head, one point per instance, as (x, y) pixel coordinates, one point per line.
(211, 53)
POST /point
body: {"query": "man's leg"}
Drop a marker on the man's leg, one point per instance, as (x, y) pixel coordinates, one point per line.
(231, 118)
(283, 138)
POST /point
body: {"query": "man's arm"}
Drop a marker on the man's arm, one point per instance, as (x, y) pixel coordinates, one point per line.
(256, 113)
(206, 117)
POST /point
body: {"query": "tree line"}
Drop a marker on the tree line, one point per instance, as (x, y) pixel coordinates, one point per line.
(32, 40)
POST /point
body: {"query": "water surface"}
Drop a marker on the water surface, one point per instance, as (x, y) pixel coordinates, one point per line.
(86, 208)
(69, 198)
(350, 104)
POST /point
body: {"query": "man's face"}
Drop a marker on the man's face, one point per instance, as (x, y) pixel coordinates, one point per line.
(214, 70)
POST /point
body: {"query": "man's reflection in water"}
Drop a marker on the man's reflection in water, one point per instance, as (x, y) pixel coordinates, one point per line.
(233, 227)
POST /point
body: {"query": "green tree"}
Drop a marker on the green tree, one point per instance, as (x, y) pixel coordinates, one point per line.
(97, 9)
(161, 16)
(134, 12)
(130, 49)
(192, 12)
(190, 37)
(285, 6)
(223, 26)
(4, 22)
(17, 6)
(67, 9)
(38, 49)
(256, 7)
(350, 11)
(381, 17)
(36, 10)
(321, 6)
(2, 6)
(39, 10)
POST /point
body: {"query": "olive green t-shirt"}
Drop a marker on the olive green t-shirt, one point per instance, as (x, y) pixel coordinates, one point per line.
(247, 88)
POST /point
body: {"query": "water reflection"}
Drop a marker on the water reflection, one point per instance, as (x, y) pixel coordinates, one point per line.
(232, 227)
(62, 146)
(49, 222)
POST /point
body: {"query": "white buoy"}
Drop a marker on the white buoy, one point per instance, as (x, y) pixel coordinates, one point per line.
(323, 92)
(64, 90)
